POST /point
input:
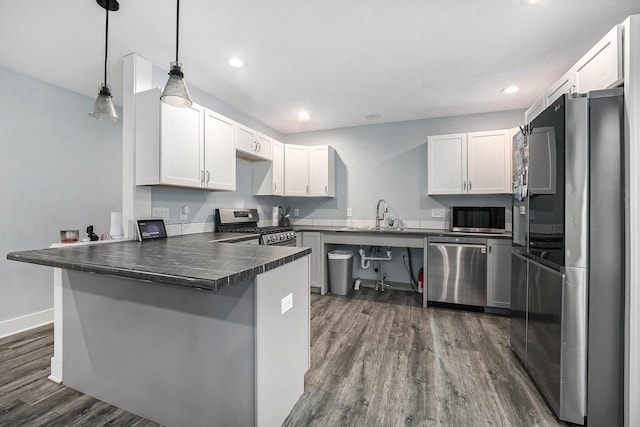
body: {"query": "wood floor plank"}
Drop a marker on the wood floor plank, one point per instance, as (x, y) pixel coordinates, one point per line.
(377, 359)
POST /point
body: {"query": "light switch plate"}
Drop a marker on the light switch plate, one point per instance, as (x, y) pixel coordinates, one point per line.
(286, 303)
(349, 213)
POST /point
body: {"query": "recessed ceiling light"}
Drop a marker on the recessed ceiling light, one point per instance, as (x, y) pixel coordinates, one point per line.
(303, 116)
(236, 62)
(530, 2)
(510, 89)
(372, 116)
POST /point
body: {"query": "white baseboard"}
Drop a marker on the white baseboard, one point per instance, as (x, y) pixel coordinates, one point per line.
(24, 323)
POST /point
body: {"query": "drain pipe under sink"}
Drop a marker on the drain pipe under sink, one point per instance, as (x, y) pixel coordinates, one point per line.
(365, 260)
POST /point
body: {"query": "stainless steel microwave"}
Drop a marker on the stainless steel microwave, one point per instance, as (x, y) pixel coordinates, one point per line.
(477, 219)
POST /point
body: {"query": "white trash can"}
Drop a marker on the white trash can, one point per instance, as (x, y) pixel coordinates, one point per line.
(340, 270)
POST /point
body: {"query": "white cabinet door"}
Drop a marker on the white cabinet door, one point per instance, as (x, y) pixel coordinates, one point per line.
(601, 67)
(489, 162)
(251, 145)
(321, 171)
(181, 148)
(533, 111)
(499, 273)
(277, 166)
(566, 84)
(268, 177)
(312, 239)
(296, 170)
(447, 164)
(263, 146)
(219, 152)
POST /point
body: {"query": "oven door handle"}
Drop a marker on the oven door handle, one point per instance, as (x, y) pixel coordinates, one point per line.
(466, 245)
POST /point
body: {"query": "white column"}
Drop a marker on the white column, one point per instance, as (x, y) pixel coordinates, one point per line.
(136, 201)
(632, 219)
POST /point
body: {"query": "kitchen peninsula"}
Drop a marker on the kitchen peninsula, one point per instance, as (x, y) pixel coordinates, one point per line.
(185, 330)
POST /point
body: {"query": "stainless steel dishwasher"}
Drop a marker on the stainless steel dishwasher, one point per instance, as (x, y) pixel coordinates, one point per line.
(457, 270)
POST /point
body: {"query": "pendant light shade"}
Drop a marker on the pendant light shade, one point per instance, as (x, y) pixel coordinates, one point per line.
(103, 108)
(175, 91)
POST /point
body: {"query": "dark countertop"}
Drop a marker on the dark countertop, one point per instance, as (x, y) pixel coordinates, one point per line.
(426, 232)
(201, 261)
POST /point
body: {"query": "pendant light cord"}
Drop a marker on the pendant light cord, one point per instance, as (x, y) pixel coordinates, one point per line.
(106, 46)
(177, 27)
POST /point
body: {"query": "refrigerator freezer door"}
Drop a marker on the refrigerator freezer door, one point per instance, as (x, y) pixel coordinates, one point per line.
(544, 334)
(518, 332)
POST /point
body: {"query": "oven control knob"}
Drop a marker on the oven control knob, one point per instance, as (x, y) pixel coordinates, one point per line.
(267, 239)
(281, 237)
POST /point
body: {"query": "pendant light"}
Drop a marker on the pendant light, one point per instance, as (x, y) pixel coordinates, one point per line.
(175, 91)
(103, 108)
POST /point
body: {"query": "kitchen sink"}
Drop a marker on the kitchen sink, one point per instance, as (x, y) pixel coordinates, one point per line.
(372, 228)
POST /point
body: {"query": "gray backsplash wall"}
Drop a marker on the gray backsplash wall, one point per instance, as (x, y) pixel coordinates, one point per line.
(389, 161)
(59, 169)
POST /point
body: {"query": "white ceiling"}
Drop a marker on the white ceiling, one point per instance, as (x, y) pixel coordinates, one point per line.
(339, 59)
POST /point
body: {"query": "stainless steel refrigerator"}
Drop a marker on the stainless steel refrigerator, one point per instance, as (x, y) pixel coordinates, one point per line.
(567, 291)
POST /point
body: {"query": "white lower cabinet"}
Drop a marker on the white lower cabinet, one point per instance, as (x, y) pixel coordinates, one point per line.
(470, 163)
(182, 147)
(314, 240)
(499, 273)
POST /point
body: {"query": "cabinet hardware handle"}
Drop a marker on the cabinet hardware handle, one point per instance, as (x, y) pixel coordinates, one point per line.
(489, 248)
(208, 177)
(307, 189)
(464, 186)
(469, 185)
(274, 186)
(326, 189)
(201, 176)
(257, 147)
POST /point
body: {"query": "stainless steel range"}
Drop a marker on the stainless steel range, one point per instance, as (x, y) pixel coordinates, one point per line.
(246, 221)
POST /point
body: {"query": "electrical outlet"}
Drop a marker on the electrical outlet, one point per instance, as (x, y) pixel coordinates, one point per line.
(184, 212)
(160, 213)
(437, 213)
(349, 213)
(286, 303)
(296, 213)
(405, 255)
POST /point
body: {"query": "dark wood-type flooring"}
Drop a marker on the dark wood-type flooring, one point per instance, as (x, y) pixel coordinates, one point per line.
(377, 359)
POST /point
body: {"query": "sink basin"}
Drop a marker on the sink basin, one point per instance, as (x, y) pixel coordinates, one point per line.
(372, 228)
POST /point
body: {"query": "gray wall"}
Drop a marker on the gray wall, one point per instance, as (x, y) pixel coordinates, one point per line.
(389, 161)
(59, 169)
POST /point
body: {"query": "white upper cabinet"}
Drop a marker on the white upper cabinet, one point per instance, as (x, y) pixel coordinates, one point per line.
(252, 145)
(473, 163)
(181, 146)
(601, 67)
(566, 84)
(533, 111)
(296, 170)
(268, 177)
(219, 152)
(447, 165)
(489, 162)
(322, 171)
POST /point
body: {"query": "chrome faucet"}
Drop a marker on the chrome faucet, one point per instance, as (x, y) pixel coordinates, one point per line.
(378, 217)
